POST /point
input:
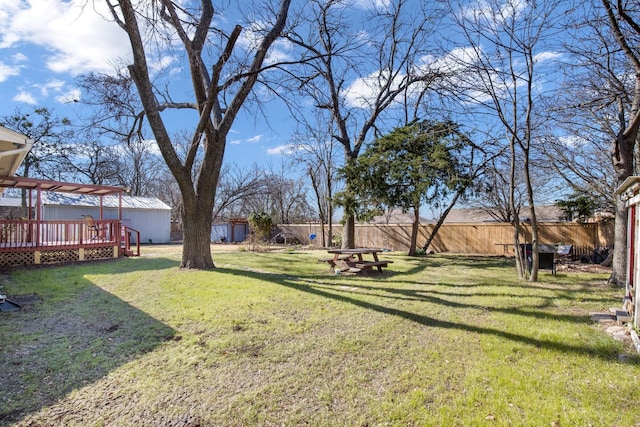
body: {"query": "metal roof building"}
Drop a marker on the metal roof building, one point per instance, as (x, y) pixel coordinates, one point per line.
(148, 215)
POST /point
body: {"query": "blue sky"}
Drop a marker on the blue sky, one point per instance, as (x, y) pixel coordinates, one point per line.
(46, 44)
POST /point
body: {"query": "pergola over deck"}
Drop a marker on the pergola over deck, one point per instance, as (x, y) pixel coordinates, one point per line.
(33, 240)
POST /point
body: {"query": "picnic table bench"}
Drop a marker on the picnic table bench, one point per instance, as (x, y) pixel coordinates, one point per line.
(352, 260)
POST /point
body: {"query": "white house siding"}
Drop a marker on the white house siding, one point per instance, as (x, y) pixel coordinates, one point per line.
(150, 216)
(154, 226)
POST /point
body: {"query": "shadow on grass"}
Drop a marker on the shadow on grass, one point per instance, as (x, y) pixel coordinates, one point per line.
(349, 297)
(534, 311)
(444, 260)
(51, 347)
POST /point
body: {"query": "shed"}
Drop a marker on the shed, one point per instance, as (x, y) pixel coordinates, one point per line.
(629, 192)
(236, 230)
(11, 207)
(148, 215)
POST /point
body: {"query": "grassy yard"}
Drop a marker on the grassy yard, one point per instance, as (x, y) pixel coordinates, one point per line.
(275, 339)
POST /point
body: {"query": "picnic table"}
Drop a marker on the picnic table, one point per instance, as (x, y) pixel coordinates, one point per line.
(352, 260)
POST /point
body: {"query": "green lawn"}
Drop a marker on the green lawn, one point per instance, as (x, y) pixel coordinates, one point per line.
(275, 339)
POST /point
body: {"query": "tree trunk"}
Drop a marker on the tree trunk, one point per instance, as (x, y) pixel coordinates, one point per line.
(425, 247)
(330, 224)
(329, 213)
(196, 226)
(608, 261)
(209, 136)
(521, 255)
(622, 146)
(414, 231)
(622, 159)
(535, 254)
(349, 233)
(323, 240)
(619, 264)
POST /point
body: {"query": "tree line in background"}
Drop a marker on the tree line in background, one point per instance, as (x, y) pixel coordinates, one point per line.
(544, 95)
(138, 167)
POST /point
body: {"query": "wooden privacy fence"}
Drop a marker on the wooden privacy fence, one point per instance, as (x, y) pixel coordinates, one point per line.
(466, 238)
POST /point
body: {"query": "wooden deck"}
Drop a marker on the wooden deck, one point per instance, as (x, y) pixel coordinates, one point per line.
(24, 242)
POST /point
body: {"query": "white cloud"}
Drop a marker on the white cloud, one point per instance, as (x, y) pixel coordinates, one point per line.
(176, 71)
(251, 37)
(148, 145)
(25, 97)
(19, 57)
(72, 95)
(281, 150)
(53, 85)
(7, 71)
(572, 141)
(372, 4)
(256, 138)
(279, 52)
(76, 33)
(493, 13)
(163, 63)
(453, 62)
(363, 91)
(151, 146)
(235, 142)
(546, 56)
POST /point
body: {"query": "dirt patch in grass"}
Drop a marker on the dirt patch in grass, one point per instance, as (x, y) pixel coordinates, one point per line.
(579, 267)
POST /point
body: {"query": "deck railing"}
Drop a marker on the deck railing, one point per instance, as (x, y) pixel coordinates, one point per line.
(129, 237)
(20, 235)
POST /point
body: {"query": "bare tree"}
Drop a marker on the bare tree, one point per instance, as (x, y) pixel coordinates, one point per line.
(117, 124)
(493, 190)
(116, 107)
(314, 149)
(625, 26)
(494, 194)
(477, 164)
(359, 69)
(235, 188)
(285, 196)
(602, 111)
(505, 41)
(50, 135)
(140, 165)
(219, 92)
(166, 189)
(93, 162)
(582, 160)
